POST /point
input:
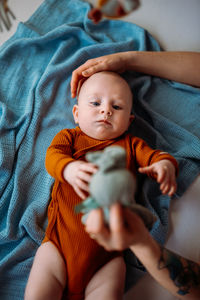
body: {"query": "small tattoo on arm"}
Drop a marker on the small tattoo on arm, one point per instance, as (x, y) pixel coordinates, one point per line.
(184, 273)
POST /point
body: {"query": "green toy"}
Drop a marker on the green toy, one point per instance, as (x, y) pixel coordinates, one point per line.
(112, 183)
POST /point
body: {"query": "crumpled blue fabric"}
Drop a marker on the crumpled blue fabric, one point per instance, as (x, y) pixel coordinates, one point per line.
(36, 65)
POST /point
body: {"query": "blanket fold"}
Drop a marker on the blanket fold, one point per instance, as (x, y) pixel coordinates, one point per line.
(35, 103)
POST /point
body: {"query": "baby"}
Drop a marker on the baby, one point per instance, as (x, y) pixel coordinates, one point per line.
(69, 263)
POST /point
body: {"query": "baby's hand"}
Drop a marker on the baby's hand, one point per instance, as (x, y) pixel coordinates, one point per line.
(78, 174)
(164, 171)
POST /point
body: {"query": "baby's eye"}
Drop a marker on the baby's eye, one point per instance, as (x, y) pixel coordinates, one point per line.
(95, 103)
(117, 107)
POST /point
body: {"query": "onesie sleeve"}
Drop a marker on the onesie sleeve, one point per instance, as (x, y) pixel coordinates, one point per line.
(59, 154)
(146, 156)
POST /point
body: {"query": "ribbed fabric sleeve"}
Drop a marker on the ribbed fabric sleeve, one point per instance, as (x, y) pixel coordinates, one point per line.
(146, 156)
(59, 154)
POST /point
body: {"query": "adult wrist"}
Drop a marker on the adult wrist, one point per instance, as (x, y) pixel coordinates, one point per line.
(130, 60)
(147, 250)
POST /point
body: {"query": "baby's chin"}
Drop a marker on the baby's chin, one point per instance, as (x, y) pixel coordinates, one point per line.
(102, 134)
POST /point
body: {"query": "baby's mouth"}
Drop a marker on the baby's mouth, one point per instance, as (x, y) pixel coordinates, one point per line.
(104, 121)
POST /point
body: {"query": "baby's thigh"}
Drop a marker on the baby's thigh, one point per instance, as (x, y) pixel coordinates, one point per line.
(48, 268)
(48, 258)
(108, 282)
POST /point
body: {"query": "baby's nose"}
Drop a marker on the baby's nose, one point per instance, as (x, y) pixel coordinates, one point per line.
(106, 111)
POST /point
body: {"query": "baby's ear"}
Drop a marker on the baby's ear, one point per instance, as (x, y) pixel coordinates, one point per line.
(75, 113)
(131, 118)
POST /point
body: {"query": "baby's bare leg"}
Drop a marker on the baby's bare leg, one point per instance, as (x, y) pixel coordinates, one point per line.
(108, 282)
(47, 278)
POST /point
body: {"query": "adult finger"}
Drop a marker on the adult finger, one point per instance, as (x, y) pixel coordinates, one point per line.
(116, 218)
(95, 222)
(77, 75)
(96, 67)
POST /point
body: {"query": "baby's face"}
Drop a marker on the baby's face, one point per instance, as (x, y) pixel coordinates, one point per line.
(104, 106)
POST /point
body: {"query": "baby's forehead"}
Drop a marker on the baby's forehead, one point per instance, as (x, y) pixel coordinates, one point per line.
(104, 75)
(104, 78)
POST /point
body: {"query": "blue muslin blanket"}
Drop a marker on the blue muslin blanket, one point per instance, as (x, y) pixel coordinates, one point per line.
(36, 65)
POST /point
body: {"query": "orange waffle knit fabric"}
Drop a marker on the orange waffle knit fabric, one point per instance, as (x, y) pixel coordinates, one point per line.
(83, 256)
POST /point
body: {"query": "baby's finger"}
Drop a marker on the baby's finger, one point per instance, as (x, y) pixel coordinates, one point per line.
(145, 169)
(82, 185)
(166, 181)
(88, 167)
(83, 176)
(161, 175)
(80, 193)
(166, 189)
(165, 185)
(172, 190)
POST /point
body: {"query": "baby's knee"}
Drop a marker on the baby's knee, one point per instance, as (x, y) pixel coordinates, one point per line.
(108, 282)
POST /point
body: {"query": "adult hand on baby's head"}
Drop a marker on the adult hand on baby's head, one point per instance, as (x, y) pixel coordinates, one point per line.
(125, 228)
(78, 174)
(114, 62)
(165, 174)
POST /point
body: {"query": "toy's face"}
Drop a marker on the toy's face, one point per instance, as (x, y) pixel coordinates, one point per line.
(117, 8)
(111, 8)
(104, 106)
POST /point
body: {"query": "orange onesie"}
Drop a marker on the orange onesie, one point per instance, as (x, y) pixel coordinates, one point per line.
(83, 256)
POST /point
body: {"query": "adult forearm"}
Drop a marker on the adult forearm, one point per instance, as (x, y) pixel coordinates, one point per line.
(179, 276)
(173, 65)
